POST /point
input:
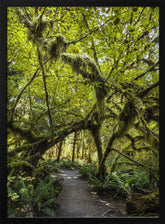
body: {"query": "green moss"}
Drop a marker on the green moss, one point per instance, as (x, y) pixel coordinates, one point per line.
(131, 208)
(37, 27)
(19, 164)
(74, 60)
(147, 205)
(55, 46)
(151, 198)
(77, 61)
(60, 39)
(15, 166)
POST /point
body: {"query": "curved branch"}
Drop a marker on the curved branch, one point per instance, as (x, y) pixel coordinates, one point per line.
(144, 92)
(134, 161)
(149, 70)
(20, 94)
(25, 133)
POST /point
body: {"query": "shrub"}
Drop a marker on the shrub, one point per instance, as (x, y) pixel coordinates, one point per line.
(34, 196)
(147, 205)
(69, 164)
(45, 167)
(138, 181)
(88, 170)
(114, 186)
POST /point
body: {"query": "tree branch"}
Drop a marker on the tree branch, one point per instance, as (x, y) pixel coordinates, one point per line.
(149, 70)
(92, 31)
(143, 93)
(20, 94)
(93, 44)
(134, 161)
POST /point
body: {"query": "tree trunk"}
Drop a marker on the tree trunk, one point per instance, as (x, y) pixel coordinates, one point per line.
(59, 151)
(89, 155)
(101, 162)
(96, 135)
(82, 156)
(74, 146)
(82, 144)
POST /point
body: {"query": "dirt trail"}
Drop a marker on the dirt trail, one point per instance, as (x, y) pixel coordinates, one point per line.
(77, 201)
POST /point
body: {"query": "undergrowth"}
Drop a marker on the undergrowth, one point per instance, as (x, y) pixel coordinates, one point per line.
(34, 195)
(68, 164)
(123, 184)
(117, 184)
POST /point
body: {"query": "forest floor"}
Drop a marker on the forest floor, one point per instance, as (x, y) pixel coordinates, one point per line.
(80, 201)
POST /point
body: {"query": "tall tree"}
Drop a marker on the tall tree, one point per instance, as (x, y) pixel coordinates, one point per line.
(74, 68)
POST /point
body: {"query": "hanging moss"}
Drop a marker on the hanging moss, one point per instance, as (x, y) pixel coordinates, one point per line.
(55, 46)
(77, 61)
(74, 60)
(54, 50)
(138, 104)
(36, 28)
(60, 39)
(19, 164)
(99, 111)
(132, 109)
(15, 166)
(126, 118)
(128, 112)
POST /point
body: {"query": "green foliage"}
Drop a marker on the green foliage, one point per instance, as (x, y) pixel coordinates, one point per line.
(138, 180)
(45, 168)
(88, 170)
(152, 198)
(34, 196)
(124, 184)
(68, 164)
(117, 184)
(147, 205)
(114, 52)
(112, 184)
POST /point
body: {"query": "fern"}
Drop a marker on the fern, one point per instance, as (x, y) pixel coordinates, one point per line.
(43, 191)
(27, 194)
(24, 194)
(47, 211)
(49, 202)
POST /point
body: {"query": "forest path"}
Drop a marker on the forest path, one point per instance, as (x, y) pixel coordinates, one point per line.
(77, 201)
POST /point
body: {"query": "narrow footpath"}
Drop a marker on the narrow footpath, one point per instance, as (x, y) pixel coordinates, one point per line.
(78, 201)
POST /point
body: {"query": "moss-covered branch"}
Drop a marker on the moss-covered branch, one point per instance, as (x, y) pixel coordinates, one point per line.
(25, 133)
(144, 92)
(134, 161)
(126, 120)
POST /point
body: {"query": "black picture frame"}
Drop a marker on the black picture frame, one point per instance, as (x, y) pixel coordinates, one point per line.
(3, 105)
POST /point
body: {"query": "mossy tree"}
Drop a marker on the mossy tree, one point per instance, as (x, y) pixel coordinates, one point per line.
(74, 68)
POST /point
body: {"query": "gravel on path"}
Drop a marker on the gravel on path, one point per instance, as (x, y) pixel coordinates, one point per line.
(78, 202)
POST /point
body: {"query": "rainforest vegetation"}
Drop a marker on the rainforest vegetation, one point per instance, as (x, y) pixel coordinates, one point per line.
(82, 93)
